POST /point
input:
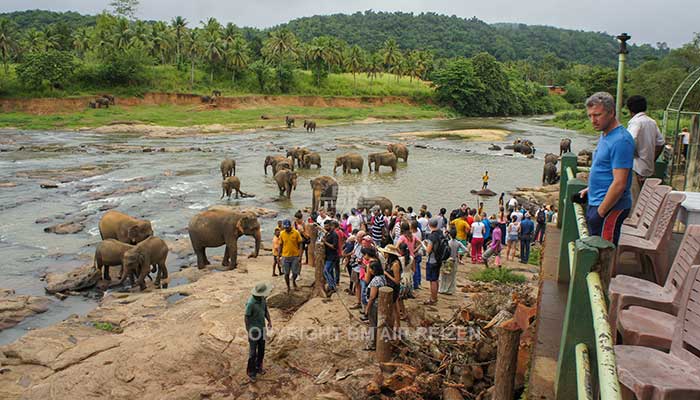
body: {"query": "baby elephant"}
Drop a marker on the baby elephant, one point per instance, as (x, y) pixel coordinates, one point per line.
(228, 168)
(138, 261)
(109, 253)
(230, 184)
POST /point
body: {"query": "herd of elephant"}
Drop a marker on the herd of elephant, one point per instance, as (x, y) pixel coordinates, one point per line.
(103, 101)
(550, 176)
(130, 242)
(324, 188)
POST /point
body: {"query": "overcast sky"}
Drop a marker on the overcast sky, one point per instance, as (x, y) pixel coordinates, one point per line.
(648, 21)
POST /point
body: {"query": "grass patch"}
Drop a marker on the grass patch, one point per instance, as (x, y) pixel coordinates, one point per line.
(502, 275)
(535, 255)
(107, 327)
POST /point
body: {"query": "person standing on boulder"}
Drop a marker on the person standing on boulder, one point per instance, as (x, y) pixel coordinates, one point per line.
(485, 181)
(256, 313)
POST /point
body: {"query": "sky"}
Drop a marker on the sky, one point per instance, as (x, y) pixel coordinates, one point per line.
(648, 21)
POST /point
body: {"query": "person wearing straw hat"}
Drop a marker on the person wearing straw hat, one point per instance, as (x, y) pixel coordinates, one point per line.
(392, 274)
(256, 313)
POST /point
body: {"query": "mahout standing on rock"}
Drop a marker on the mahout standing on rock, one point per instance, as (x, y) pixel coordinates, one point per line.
(139, 259)
(220, 226)
(228, 168)
(116, 225)
(291, 243)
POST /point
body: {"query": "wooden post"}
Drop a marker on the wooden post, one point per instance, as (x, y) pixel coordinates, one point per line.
(506, 360)
(385, 318)
(317, 255)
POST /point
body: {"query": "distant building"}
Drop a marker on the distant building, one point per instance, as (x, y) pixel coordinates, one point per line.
(556, 89)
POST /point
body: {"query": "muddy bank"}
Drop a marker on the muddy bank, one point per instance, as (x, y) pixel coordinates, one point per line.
(43, 106)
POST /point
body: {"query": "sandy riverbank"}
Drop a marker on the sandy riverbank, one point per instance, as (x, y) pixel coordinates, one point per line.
(476, 135)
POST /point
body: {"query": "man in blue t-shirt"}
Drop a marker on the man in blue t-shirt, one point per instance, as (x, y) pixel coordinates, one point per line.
(609, 198)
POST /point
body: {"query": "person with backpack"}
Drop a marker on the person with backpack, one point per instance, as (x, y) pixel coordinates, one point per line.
(438, 250)
(448, 275)
(541, 218)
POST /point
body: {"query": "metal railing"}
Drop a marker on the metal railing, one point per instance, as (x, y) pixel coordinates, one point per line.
(582, 260)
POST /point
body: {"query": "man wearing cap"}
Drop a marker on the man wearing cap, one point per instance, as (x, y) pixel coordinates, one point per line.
(256, 313)
(291, 243)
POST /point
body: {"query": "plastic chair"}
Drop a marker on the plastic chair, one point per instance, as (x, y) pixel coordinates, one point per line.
(626, 291)
(651, 211)
(656, 246)
(651, 374)
(635, 216)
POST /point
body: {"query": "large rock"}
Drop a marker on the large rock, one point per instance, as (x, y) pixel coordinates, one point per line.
(79, 278)
(531, 197)
(65, 228)
(14, 308)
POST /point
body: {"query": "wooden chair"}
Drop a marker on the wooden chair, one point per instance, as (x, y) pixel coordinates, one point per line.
(651, 212)
(627, 291)
(635, 216)
(656, 246)
(651, 374)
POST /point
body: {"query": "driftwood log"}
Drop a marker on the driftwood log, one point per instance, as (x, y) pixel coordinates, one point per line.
(385, 326)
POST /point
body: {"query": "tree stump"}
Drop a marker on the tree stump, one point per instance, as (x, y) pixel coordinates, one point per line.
(385, 318)
(506, 359)
(317, 255)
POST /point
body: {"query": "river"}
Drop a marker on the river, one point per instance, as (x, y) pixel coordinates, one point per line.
(173, 186)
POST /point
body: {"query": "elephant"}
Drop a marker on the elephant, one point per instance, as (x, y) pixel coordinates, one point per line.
(116, 225)
(523, 149)
(288, 121)
(216, 93)
(400, 150)
(324, 191)
(92, 104)
(310, 126)
(219, 226)
(109, 253)
(273, 160)
(207, 99)
(102, 102)
(388, 159)
(228, 168)
(110, 98)
(349, 161)
(565, 146)
(311, 158)
(284, 164)
(297, 154)
(551, 158)
(549, 174)
(286, 181)
(585, 157)
(230, 184)
(494, 147)
(369, 202)
(138, 260)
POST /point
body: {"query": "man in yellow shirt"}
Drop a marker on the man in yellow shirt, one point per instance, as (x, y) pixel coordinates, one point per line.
(291, 243)
(462, 227)
(485, 180)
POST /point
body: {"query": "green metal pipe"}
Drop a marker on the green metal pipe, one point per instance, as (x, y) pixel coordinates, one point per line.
(583, 373)
(607, 368)
(620, 81)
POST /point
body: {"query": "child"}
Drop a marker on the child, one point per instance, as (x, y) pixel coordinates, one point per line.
(276, 249)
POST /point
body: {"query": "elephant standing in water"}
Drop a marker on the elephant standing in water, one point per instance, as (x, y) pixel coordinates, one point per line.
(220, 226)
(349, 161)
(369, 202)
(231, 184)
(286, 182)
(551, 158)
(228, 168)
(283, 164)
(378, 159)
(297, 154)
(324, 191)
(549, 174)
(400, 150)
(273, 160)
(311, 158)
(565, 146)
(116, 225)
(310, 126)
(138, 261)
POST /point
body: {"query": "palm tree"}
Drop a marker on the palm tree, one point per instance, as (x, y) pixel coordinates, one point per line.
(160, 40)
(192, 47)
(35, 41)
(141, 34)
(81, 41)
(373, 67)
(356, 60)
(8, 42)
(280, 46)
(212, 47)
(231, 33)
(237, 56)
(391, 55)
(121, 34)
(179, 24)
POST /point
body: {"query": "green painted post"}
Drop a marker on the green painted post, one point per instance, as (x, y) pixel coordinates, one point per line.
(569, 229)
(567, 160)
(578, 321)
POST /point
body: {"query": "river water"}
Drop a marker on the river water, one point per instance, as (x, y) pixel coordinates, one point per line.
(440, 173)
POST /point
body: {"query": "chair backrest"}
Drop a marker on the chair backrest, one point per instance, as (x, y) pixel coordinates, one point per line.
(662, 225)
(686, 337)
(650, 185)
(653, 208)
(687, 256)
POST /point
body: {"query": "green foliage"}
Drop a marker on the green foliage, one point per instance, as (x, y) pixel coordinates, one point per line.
(502, 275)
(535, 255)
(575, 92)
(263, 75)
(127, 68)
(48, 68)
(106, 326)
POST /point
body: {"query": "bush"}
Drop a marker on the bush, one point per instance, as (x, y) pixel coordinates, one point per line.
(502, 275)
(129, 68)
(47, 68)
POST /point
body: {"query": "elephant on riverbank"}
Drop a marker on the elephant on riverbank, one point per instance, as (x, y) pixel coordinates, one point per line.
(116, 225)
(311, 158)
(310, 126)
(207, 99)
(273, 160)
(297, 154)
(102, 102)
(565, 146)
(231, 184)
(286, 182)
(289, 121)
(138, 261)
(228, 168)
(349, 161)
(219, 226)
(369, 202)
(324, 193)
(400, 150)
(378, 159)
(551, 158)
(549, 174)
(109, 253)
(109, 98)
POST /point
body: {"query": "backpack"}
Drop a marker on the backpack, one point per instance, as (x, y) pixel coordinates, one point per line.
(442, 250)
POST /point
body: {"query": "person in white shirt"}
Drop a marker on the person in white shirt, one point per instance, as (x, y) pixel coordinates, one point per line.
(685, 141)
(512, 203)
(322, 217)
(354, 220)
(648, 143)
